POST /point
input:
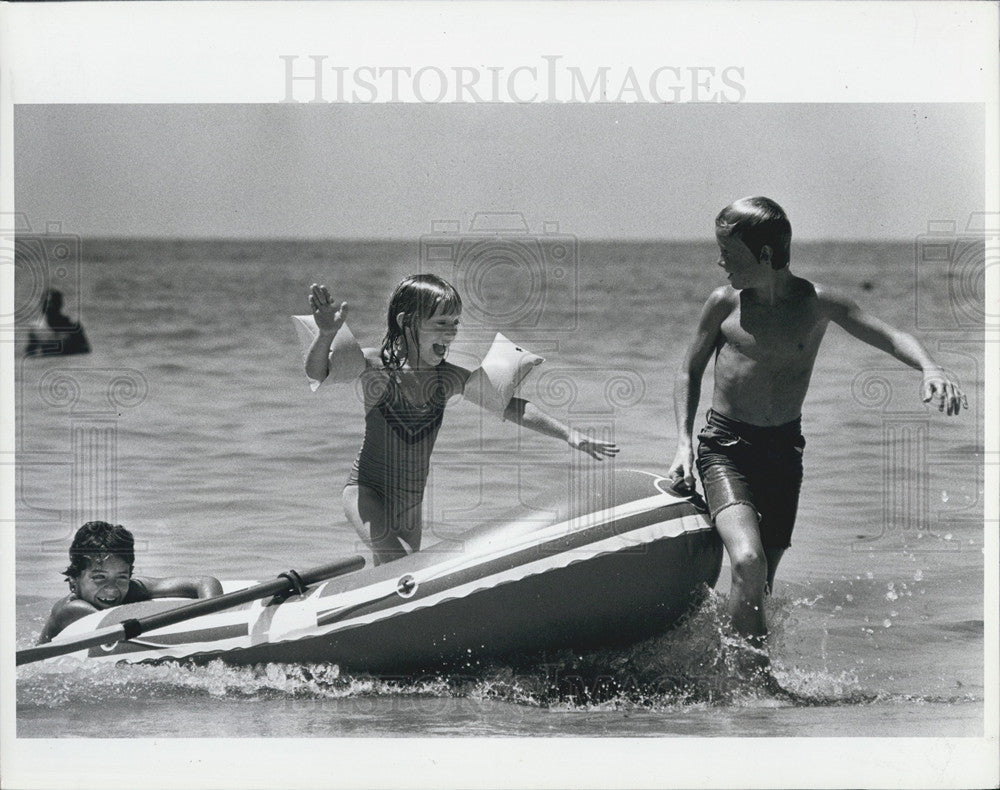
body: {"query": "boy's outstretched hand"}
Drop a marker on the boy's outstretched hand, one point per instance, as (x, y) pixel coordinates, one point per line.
(595, 448)
(329, 316)
(945, 392)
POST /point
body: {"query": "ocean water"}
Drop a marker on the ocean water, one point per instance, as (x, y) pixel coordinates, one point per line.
(192, 424)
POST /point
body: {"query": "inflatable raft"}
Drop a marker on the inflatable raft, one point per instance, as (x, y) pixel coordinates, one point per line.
(602, 575)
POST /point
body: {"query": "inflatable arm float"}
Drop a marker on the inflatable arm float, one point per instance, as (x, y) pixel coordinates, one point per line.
(490, 386)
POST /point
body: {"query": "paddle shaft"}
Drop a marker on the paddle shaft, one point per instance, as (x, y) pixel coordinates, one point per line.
(128, 629)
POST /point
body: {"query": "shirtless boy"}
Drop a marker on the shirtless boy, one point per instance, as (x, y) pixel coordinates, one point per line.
(100, 576)
(764, 329)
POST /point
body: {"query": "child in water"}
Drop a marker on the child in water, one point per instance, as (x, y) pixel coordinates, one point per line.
(406, 385)
(764, 330)
(55, 333)
(100, 576)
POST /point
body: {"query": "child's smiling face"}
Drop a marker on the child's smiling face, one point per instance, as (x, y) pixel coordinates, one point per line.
(434, 337)
(104, 582)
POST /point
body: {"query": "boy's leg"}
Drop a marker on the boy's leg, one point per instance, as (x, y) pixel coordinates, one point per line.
(776, 487)
(737, 525)
(773, 558)
(731, 501)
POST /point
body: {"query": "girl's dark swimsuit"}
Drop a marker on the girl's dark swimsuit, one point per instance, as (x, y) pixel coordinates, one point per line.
(394, 459)
(758, 466)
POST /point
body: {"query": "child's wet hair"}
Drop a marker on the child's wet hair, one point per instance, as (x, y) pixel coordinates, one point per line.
(99, 539)
(758, 221)
(418, 296)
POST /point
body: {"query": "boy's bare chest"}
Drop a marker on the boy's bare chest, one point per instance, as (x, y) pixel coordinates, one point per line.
(786, 331)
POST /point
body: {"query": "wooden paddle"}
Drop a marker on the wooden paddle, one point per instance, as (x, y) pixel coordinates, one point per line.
(129, 629)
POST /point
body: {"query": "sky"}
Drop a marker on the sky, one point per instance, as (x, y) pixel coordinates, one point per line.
(841, 171)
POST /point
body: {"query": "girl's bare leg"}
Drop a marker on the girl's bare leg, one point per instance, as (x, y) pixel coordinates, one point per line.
(372, 520)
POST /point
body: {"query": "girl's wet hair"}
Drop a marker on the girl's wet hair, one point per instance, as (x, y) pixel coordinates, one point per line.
(99, 539)
(757, 221)
(419, 296)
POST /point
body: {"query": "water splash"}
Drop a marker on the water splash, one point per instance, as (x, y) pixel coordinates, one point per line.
(699, 663)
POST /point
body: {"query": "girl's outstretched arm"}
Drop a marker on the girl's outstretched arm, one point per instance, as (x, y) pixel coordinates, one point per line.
(530, 416)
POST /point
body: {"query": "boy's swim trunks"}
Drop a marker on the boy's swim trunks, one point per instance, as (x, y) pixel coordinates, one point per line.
(759, 466)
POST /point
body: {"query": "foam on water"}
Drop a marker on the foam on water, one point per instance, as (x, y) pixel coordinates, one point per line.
(695, 665)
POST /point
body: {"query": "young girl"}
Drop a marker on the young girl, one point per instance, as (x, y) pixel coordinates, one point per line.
(406, 384)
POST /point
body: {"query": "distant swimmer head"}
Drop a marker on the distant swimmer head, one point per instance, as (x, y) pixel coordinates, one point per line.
(100, 563)
(423, 318)
(761, 225)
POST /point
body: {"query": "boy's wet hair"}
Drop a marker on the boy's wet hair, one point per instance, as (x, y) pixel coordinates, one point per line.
(99, 539)
(419, 296)
(757, 221)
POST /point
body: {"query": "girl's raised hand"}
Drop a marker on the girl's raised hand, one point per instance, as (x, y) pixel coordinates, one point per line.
(329, 316)
(595, 448)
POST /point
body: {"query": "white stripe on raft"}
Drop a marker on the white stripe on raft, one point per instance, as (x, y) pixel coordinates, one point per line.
(471, 556)
(280, 631)
(298, 618)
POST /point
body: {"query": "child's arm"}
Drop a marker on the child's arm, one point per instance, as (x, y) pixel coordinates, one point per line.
(530, 416)
(330, 354)
(687, 386)
(64, 612)
(903, 346)
(182, 586)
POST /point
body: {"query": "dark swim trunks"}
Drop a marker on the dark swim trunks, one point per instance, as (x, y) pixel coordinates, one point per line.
(758, 466)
